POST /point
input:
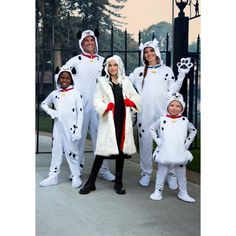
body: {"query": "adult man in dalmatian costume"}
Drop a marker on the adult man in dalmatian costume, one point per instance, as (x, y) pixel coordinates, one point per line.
(155, 82)
(88, 64)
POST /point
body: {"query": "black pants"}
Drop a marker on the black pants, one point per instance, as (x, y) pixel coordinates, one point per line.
(97, 165)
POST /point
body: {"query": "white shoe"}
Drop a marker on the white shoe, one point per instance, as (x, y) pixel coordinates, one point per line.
(107, 175)
(145, 180)
(183, 195)
(76, 182)
(49, 181)
(172, 182)
(157, 195)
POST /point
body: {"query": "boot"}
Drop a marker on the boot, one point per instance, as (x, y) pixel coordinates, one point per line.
(107, 175)
(76, 182)
(183, 195)
(118, 184)
(89, 185)
(49, 181)
(145, 180)
(157, 195)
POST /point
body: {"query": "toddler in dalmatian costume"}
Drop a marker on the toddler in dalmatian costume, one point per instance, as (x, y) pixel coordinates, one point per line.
(173, 138)
(154, 81)
(89, 67)
(68, 120)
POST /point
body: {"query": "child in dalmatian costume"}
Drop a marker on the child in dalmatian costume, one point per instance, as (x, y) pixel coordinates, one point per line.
(173, 137)
(68, 120)
(154, 81)
(89, 67)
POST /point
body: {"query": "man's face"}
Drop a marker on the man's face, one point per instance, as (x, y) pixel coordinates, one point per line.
(88, 44)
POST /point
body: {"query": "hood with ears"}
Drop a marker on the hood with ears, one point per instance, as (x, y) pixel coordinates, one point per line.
(83, 35)
(152, 44)
(64, 69)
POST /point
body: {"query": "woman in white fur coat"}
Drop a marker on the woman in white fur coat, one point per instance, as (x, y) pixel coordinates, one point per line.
(114, 98)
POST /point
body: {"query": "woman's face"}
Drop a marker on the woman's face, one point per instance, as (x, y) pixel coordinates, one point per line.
(150, 55)
(112, 68)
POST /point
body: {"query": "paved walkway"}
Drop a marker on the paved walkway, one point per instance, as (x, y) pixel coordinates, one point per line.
(62, 211)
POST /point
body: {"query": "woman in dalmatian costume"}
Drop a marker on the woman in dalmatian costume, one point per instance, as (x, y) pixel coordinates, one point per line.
(68, 120)
(154, 81)
(173, 138)
(89, 66)
(114, 99)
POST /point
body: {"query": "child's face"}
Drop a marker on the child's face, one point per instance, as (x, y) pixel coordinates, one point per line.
(65, 80)
(175, 108)
(112, 68)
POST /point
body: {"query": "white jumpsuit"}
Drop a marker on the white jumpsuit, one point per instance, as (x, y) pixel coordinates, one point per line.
(68, 120)
(158, 83)
(88, 70)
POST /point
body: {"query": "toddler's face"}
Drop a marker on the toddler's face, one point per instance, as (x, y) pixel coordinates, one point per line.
(175, 108)
(65, 80)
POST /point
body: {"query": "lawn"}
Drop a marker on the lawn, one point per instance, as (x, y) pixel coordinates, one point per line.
(45, 125)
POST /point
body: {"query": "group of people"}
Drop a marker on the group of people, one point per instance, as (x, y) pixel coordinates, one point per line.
(94, 93)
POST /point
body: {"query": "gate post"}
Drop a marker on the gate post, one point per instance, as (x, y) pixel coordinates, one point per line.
(180, 42)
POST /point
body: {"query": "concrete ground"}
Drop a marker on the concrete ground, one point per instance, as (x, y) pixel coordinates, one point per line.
(62, 211)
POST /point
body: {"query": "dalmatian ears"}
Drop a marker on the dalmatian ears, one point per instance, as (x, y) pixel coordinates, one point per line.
(96, 32)
(156, 43)
(57, 70)
(141, 46)
(73, 71)
(176, 95)
(79, 34)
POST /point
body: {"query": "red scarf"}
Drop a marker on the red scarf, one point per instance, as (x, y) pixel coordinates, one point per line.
(173, 117)
(89, 56)
(65, 90)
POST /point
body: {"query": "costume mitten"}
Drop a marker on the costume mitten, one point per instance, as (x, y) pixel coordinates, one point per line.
(184, 66)
(129, 103)
(53, 113)
(110, 107)
(155, 137)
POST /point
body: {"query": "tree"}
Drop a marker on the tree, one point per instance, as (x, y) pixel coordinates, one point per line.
(160, 31)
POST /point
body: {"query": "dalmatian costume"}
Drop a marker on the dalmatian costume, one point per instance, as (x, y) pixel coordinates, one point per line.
(173, 137)
(89, 69)
(68, 120)
(154, 89)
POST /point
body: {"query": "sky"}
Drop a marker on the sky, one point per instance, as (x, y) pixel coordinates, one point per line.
(140, 16)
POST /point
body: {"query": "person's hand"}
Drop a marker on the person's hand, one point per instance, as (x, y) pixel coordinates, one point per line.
(110, 107)
(189, 157)
(184, 65)
(129, 103)
(76, 136)
(186, 145)
(53, 113)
